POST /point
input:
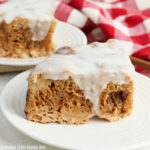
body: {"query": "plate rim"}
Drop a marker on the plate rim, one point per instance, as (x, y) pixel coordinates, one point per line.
(54, 143)
(10, 61)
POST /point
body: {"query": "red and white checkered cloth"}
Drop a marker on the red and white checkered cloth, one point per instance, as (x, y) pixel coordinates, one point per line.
(2, 1)
(127, 20)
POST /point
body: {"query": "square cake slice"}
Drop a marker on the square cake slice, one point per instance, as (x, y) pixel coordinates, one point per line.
(74, 85)
(26, 29)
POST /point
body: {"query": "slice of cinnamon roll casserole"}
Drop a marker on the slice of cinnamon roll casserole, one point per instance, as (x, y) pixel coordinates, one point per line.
(26, 29)
(74, 85)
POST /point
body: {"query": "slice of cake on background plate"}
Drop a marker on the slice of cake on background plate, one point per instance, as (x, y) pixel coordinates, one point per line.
(74, 85)
(26, 28)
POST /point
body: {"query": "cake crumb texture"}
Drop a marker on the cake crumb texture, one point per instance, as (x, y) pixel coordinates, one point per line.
(59, 101)
(16, 40)
(116, 101)
(63, 101)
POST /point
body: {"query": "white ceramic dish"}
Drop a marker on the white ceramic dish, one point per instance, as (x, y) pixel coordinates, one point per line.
(65, 35)
(129, 133)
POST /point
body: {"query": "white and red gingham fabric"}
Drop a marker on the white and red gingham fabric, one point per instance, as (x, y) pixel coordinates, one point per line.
(127, 20)
(2, 1)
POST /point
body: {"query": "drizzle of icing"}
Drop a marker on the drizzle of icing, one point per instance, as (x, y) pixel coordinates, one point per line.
(92, 67)
(38, 13)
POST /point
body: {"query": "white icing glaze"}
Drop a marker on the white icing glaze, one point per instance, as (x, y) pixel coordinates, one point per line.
(125, 46)
(92, 67)
(38, 12)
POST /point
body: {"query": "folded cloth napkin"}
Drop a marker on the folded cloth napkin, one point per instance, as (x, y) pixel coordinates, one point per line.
(101, 20)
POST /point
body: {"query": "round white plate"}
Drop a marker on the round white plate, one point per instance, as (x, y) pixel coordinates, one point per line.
(65, 35)
(131, 132)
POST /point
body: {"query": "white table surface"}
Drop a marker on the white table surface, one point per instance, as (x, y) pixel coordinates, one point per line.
(9, 136)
